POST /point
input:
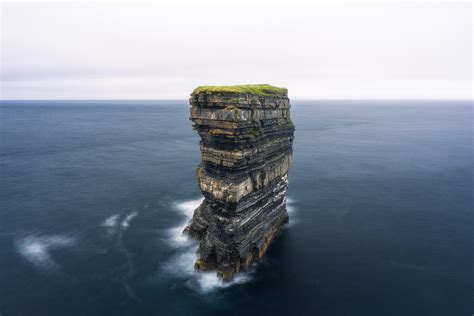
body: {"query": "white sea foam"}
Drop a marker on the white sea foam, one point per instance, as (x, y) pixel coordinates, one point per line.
(289, 206)
(188, 207)
(111, 221)
(291, 211)
(115, 221)
(37, 249)
(176, 238)
(126, 221)
(182, 264)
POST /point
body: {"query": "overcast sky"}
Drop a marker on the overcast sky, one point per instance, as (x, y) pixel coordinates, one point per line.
(162, 50)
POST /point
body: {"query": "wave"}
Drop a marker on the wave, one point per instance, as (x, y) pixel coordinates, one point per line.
(111, 221)
(291, 212)
(115, 221)
(128, 219)
(176, 238)
(187, 207)
(182, 264)
(37, 249)
(115, 227)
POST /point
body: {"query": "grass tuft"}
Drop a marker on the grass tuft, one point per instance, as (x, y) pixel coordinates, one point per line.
(265, 90)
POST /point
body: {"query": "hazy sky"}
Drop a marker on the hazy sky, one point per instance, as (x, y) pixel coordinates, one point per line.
(164, 49)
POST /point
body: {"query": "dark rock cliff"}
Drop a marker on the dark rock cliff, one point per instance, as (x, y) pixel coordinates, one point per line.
(246, 148)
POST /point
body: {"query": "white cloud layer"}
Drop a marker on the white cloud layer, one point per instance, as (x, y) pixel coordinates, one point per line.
(162, 50)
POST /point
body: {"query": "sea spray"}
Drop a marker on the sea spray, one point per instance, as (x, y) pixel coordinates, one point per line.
(181, 264)
(37, 249)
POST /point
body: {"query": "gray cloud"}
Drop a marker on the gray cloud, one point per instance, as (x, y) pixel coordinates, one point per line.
(149, 50)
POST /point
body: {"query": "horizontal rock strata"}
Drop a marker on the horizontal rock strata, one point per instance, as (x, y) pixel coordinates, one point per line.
(246, 149)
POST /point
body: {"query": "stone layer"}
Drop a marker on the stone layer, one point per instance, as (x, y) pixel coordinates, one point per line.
(246, 150)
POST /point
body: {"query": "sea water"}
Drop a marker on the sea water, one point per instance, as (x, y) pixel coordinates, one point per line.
(95, 194)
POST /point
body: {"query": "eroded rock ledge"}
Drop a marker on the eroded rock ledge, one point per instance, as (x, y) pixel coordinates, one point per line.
(246, 148)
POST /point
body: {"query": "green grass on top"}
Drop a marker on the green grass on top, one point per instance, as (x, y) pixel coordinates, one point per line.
(254, 89)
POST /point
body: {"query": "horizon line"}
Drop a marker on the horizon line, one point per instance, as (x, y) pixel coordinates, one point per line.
(293, 99)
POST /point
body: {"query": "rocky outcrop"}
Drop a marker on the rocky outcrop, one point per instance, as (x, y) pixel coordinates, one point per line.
(246, 148)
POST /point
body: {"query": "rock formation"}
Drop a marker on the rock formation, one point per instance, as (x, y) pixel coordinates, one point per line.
(246, 148)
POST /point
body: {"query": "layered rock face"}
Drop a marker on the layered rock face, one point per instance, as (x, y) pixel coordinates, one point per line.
(246, 148)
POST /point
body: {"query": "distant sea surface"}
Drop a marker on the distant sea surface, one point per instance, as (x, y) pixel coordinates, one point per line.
(94, 196)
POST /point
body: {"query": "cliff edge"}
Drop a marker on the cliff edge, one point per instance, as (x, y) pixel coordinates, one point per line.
(246, 149)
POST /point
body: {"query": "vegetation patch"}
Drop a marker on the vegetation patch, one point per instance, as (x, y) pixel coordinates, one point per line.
(264, 90)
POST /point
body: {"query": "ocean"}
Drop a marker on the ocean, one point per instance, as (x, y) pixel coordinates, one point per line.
(94, 196)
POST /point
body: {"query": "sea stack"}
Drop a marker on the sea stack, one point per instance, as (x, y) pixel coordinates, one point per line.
(246, 150)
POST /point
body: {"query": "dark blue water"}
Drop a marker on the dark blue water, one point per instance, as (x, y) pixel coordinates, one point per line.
(94, 195)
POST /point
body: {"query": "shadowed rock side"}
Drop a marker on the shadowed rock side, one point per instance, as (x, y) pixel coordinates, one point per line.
(246, 148)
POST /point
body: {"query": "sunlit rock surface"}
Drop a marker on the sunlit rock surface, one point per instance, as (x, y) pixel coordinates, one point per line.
(246, 149)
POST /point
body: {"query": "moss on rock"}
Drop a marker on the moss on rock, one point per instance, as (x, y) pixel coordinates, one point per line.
(264, 90)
